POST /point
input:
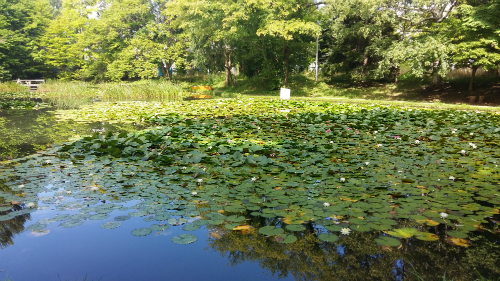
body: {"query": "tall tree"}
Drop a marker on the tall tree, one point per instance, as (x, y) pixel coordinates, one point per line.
(22, 23)
(476, 37)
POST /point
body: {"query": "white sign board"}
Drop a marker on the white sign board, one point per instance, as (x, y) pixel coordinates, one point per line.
(285, 94)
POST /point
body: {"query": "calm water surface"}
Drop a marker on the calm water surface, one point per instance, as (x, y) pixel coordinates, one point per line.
(58, 253)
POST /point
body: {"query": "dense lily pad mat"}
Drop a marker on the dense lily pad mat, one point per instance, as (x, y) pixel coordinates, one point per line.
(335, 168)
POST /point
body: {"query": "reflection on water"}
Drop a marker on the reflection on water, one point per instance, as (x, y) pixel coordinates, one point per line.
(11, 226)
(357, 257)
(24, 132)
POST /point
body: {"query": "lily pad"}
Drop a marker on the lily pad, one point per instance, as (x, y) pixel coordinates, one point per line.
(328, 237)
(184, 239)
(285, 239)
(122, 218)
(191, 227)
(295, 227)
(388, 241)
(270, 230)
(158, 227)
(111, 224)
(141, 231)
(457, 234)
(71, 223)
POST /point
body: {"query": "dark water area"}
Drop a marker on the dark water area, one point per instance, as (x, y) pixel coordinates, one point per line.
(24, 132)
(29, 251)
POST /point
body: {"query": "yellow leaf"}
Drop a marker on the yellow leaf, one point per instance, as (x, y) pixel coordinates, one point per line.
(458, 241)
(220, 211)
(421, 187)
(242, 227)
(431, 222)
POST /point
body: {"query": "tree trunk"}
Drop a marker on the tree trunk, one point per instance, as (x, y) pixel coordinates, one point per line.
(437, 80)
(474, 69)
(164, 69)
(227, 66)
(287, 63)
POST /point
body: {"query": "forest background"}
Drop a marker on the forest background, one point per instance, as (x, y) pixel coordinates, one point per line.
(359, 40)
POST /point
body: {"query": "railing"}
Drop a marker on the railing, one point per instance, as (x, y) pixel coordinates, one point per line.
(32, 83)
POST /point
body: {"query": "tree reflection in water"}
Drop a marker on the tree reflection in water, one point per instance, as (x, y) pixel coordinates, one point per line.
(358, 257)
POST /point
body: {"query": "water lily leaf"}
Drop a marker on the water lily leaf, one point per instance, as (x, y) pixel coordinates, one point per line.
(122, 218)
(191, 227)
(457, 234)
(159, 227)
(36, 226)
(201, 222)
(184, 239)
(425, 236)
(243, 227)
(285, 239)
(62, 217)
(295, 227)
(111, 224)
(270, 230)
(403, 232)
(99, 217)
(388, 241)
(328, 237)
(458, 241)
(360, 227)
(141, 231)
(71, 223)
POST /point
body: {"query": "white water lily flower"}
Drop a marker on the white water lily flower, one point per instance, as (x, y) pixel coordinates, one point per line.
(199, 180)
(443, 215)
(379, 145)
(326, 204)
(345, 231)
(194, 193)
(342, 179)
(254, 179)
(375, 132)
(451, 178)
(417, 141)
(463, 151)
(367, 163)
(68, 192)
(30, 205)
(21, 186)
(94, 188)
(47, 161)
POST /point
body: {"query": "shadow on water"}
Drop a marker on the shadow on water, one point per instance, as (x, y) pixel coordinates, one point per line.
(24, 132)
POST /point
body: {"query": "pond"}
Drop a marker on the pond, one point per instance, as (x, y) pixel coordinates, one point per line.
(248, 190)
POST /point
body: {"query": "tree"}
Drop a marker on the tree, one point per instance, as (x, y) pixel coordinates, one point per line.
(22, 23)
(476, 37)
(269, 34)
(373, 39)
(60, 45)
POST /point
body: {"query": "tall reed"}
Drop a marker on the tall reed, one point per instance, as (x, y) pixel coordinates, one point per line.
(147, 89)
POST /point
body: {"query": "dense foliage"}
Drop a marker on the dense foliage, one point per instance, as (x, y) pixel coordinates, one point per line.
(135, 39)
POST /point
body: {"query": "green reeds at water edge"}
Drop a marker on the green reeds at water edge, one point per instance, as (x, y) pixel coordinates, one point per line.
(147, 89)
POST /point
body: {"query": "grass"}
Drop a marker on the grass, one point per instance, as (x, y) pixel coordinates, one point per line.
(147, 89)
(13, 87)
(408, 92)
